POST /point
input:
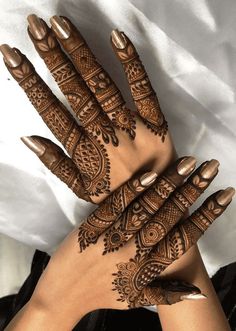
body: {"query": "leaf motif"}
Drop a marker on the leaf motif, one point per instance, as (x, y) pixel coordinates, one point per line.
(25, 68)
(202, 184)
(18, 73)
(122, 55)
(210, 205)
(43, 46)
(130, 50)
(217, 211)
(196, 180)
(51, 42)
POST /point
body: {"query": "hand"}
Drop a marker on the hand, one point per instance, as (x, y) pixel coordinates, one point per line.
(107, 275)
(111, 144)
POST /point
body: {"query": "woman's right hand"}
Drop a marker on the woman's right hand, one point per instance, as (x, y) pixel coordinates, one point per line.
(116, 257)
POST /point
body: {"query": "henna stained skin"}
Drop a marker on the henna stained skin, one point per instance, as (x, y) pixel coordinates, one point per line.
(141, 89)
(133, 277)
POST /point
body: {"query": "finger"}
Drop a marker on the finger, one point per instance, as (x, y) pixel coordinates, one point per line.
(97, 79)
(175, 207)
(54, 158)
(52, 111)
(184, 236)
(81, 100)
(108, 211)
(168, 292)
(142, 209)
(141, 89)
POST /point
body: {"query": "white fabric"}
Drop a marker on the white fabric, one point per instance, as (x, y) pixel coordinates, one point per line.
(189, 50)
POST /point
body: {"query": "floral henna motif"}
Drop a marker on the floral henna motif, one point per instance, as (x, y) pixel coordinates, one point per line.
(133, 276)
(74, 88)
(143, 94)
(96, 78)
(172, 211)
(138, 214)
(88, 154)
(108, 212)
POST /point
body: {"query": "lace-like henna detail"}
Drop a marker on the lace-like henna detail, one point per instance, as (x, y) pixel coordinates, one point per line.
(143, 94)
(89, 155)
(133, 276)
(98, 80)
(138, 214)
(107, 213)
(74, 88)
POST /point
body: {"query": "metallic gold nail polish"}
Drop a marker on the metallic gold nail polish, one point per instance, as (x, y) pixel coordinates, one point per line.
(193, 296)
(186, 166)
(224, 197)
(210, 169)
(34, 145)
(36, 26)
(12, 58)
(148, 178)
(60, 27)
(118, 39)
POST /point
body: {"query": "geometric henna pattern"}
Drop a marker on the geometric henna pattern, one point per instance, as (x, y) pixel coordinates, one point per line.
(88, 154)
(143, 94)
(138, 213)
(107, 213)
(171, 212)
(82, 101)
(97, 79)
(133, 276)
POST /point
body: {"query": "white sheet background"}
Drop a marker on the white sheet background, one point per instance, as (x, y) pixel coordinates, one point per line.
(189, 50)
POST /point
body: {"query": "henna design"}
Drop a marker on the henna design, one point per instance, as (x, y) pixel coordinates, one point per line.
(88, 154)
(172, 211)
(108, 212)
(81, 100)
(96, 78)
(139, 212)
(133, 276)
(143, 94)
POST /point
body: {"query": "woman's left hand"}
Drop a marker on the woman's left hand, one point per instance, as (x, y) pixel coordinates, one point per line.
(114, 259)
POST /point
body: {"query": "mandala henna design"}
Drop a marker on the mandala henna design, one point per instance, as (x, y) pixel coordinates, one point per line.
(133, 276)
(96, 78)
(110, 209)
(143, 94)
(81, 100)
(175, 207)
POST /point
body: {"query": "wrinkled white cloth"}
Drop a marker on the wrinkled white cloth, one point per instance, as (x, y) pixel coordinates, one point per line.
(189, 51)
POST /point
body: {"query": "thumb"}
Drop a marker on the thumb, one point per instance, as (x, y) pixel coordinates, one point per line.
(168, 292)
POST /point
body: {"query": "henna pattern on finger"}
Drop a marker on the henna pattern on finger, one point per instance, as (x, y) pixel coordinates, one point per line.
(96, 78)
(175, 207)
(143, 94)
(142, 209)
(88, 154)
(81, 100)
(133, 276)
(110, 209)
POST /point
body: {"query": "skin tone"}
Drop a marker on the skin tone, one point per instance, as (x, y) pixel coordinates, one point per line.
(117, 137)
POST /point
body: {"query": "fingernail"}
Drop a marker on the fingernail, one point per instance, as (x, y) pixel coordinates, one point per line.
(186, 166)
(34, 145)
(118, 39)
(193, 296)
(60, 27)
(12, 58)
(210, 169)
(148, 178)
(36, 26)
(224, 197)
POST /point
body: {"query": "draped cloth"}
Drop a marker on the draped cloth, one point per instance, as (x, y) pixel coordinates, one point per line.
(189, 51)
